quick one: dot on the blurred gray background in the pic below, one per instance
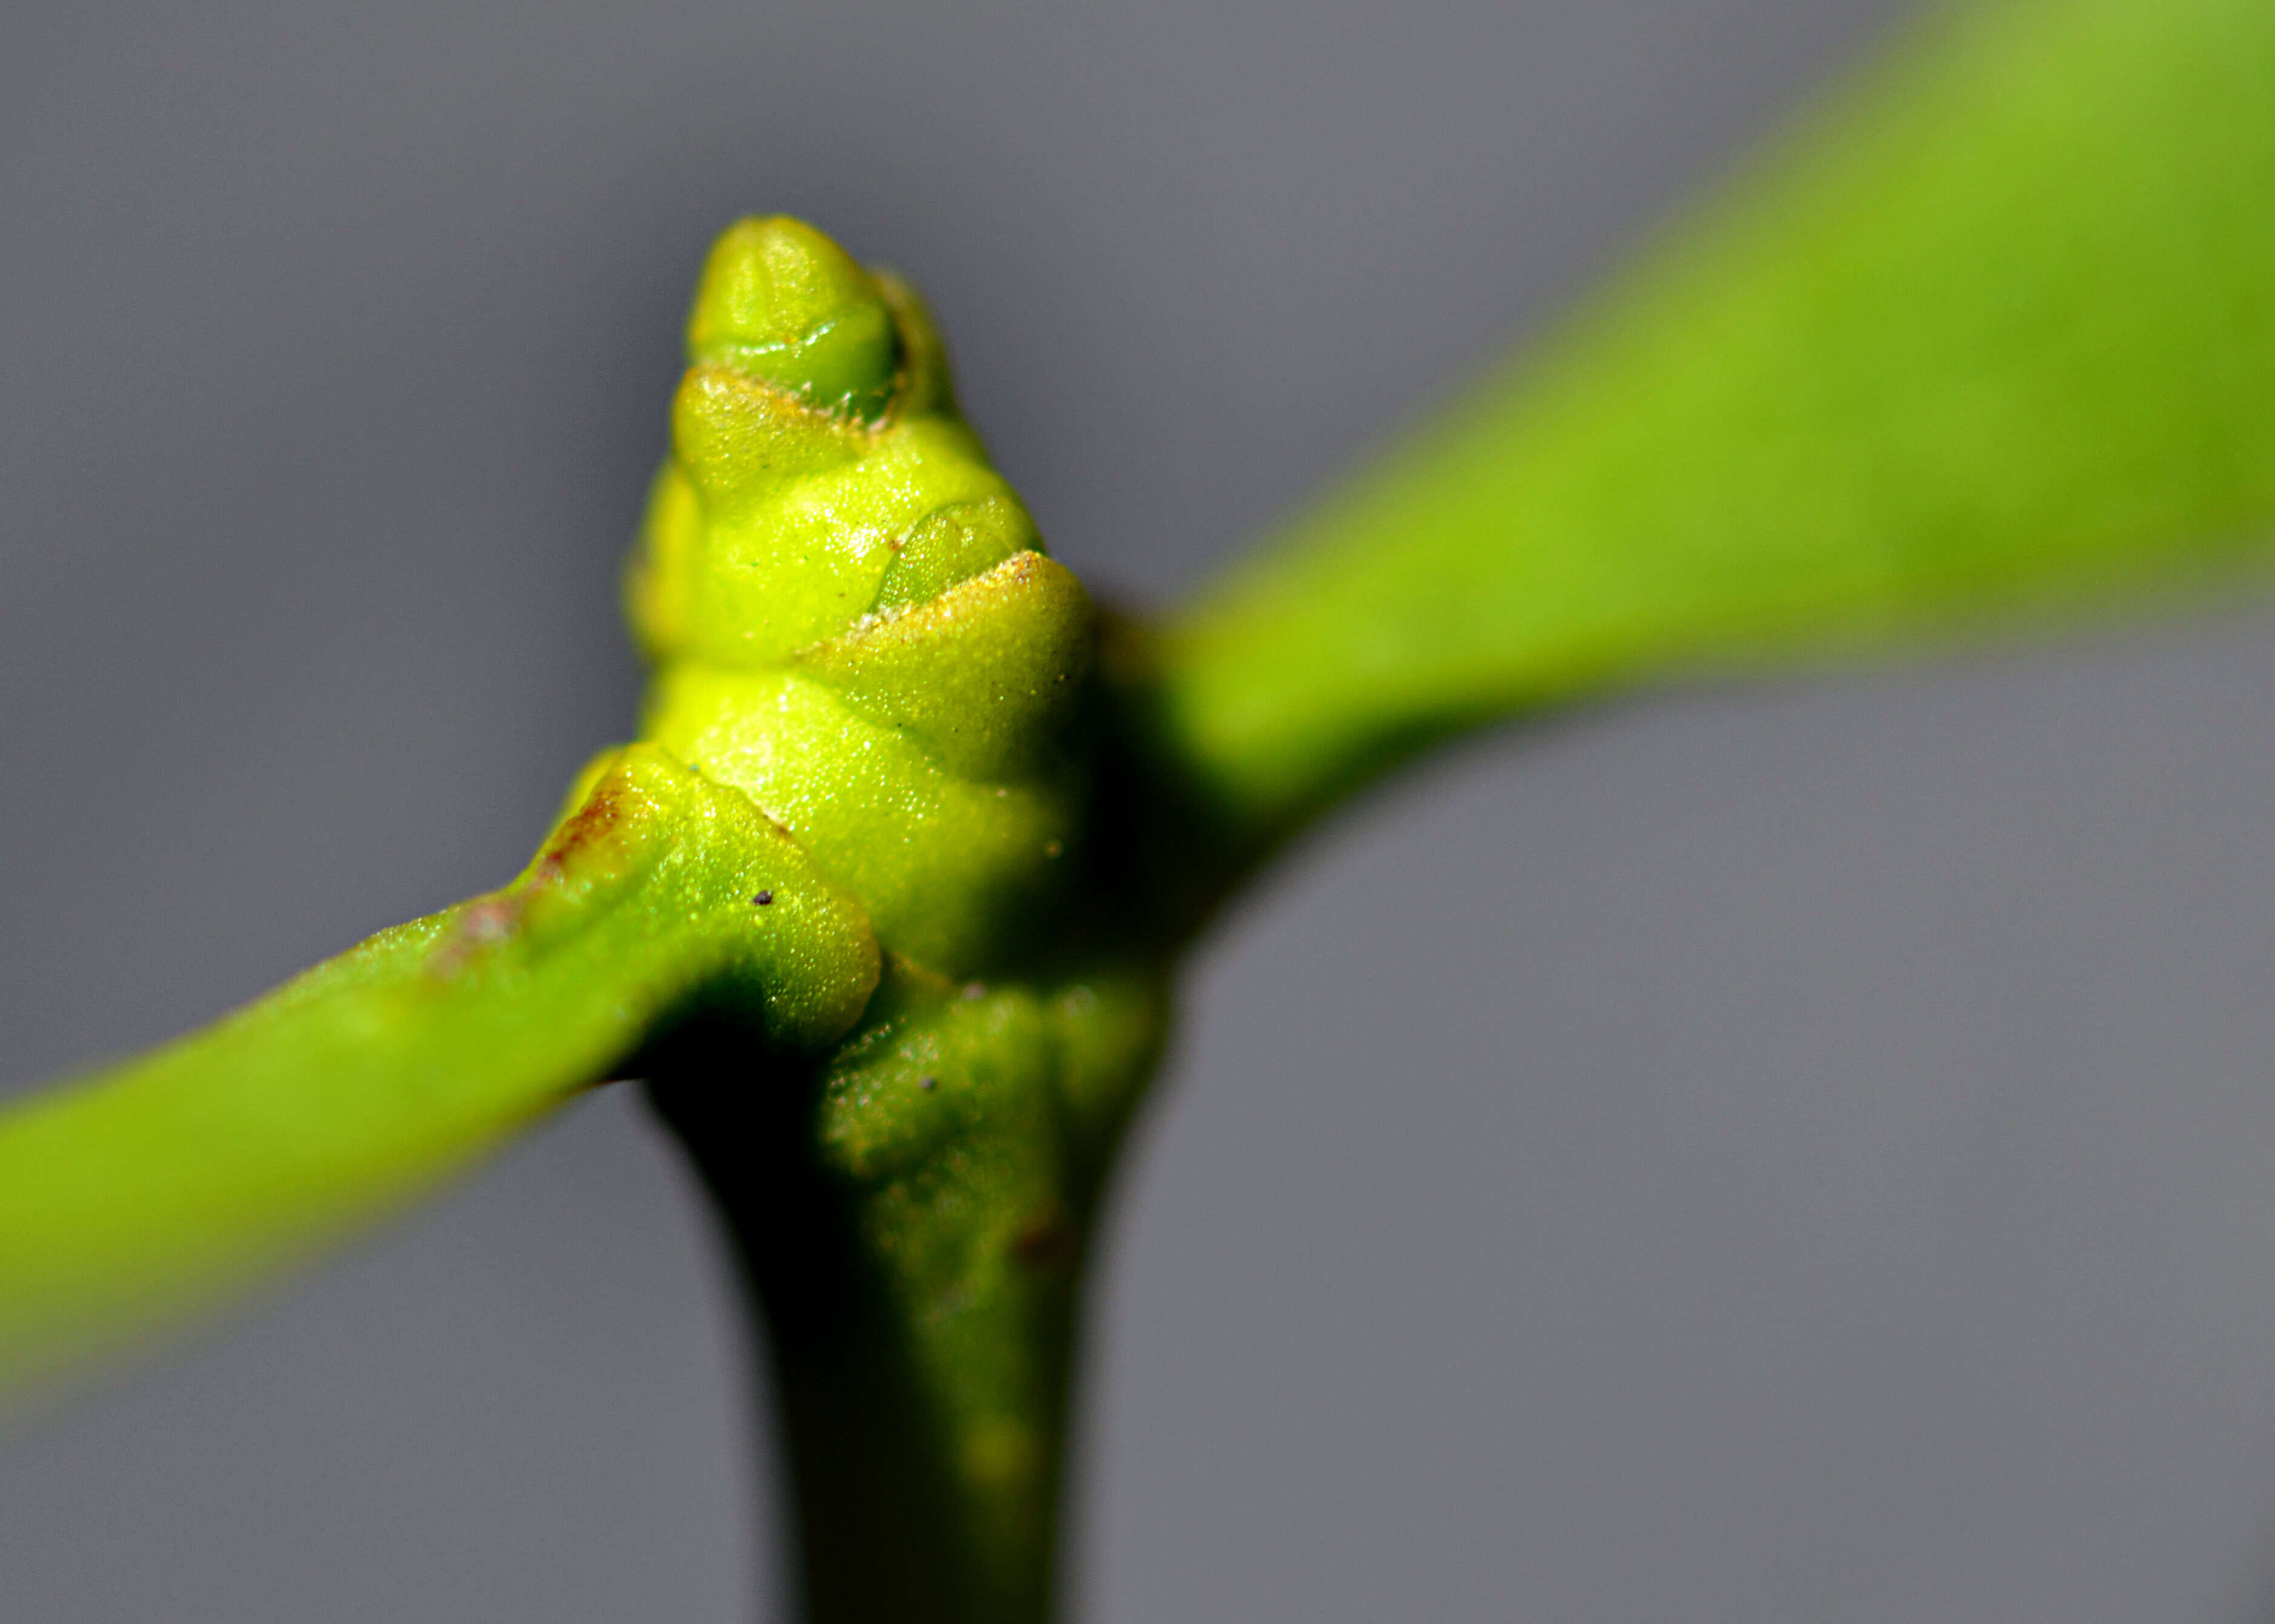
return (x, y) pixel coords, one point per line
(1804, 1153)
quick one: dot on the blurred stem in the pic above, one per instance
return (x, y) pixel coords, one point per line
(911, 1217)
(883, 1532)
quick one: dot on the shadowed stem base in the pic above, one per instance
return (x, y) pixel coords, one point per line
(911, 1217)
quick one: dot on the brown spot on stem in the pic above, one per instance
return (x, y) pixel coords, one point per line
(586, 827)
(1044, 1245)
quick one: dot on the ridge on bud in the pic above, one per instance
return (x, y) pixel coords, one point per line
(780, 301)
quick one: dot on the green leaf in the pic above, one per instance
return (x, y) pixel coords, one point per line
(144, 1192)
(1993, 338)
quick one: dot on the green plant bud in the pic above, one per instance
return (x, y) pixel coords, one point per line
(854, 622)
(981, 675)
(787, 540)
(924, 385)
(656, 585)
(781, 302)
(740, 442)
(954, 544)
(923, 757)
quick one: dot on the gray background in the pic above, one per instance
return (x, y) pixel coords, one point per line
(1794, 1154)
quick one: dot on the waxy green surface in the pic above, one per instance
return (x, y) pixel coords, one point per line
(1986, 343)
(887, 905)
(141, 1190)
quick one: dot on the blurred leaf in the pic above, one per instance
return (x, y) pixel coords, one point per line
(1994, 336)
(145, 1191)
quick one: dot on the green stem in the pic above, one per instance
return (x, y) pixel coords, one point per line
(911, 1217)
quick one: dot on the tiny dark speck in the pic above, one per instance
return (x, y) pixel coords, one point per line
(928, 1083)
(763, 898)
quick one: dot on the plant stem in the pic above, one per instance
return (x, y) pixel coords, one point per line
(911, 1217)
